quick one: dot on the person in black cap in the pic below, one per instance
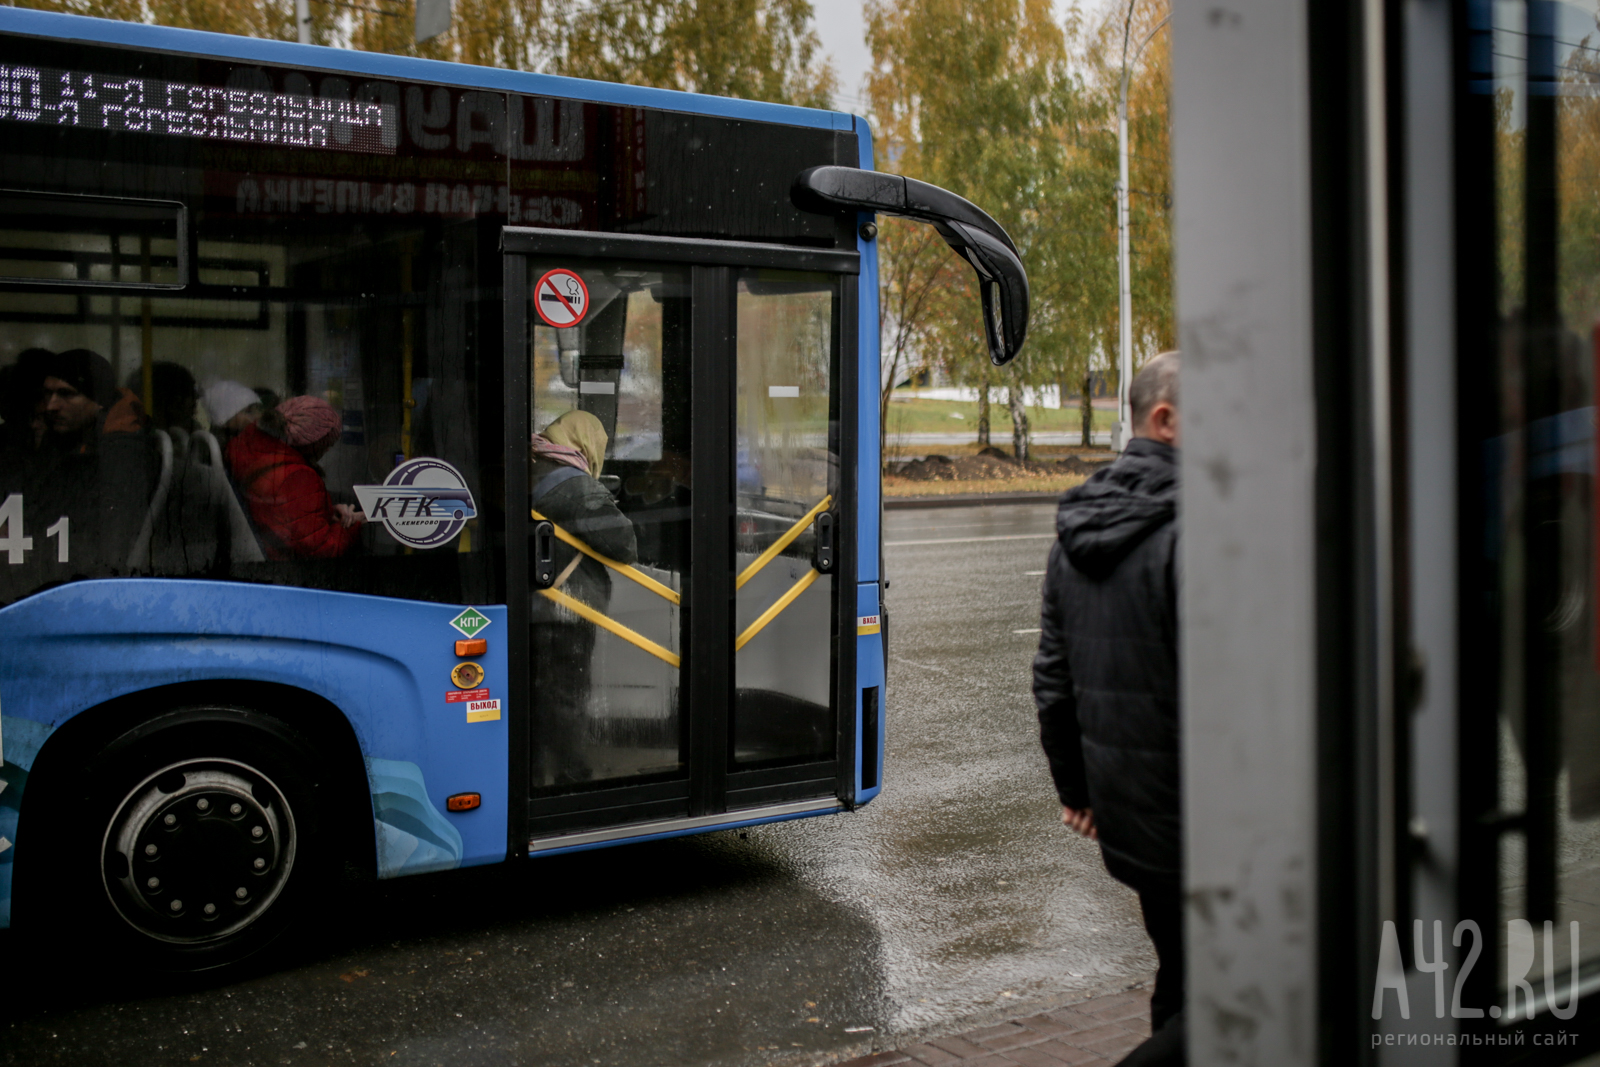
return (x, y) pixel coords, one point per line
(82, 402)
(83, 454)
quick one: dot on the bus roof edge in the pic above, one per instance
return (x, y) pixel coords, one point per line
(83, 28)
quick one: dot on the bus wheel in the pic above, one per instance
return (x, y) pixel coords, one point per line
(205, 838)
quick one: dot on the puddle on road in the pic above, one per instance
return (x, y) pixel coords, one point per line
(979, 897)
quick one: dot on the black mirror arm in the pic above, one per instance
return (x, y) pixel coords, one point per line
(965, 227)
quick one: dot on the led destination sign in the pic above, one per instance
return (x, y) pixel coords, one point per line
(150, 105)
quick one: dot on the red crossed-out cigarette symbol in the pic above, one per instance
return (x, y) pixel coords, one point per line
(561, 298)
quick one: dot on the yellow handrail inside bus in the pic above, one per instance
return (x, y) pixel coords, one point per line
(621, 568)
(772, 613)
(781, 543)
(584, 611)
(579, 608)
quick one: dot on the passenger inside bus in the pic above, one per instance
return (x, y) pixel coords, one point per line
(82, 403)
(274, 465)
(77, 454)
(231, 407)
(173, 396)
(22, 425)
(566, 462)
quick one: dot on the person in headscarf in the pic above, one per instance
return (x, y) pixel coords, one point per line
(576, 439)
(567, 458)
(274, 464)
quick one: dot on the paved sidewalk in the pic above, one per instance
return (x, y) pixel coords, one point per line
(1099, 1031)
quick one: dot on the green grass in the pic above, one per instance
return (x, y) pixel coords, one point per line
(1044, 483)
(935, 416)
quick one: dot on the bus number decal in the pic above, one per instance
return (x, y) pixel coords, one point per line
(12, 540)
(13, 543)
(59, 529)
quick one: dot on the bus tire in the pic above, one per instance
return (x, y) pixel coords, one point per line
(196, 840)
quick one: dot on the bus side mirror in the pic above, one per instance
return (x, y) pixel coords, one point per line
(965, 227)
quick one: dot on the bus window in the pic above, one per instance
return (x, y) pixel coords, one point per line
(787, 481)
(605, 642)
(341, 249)
(97, 241)
(185, 467)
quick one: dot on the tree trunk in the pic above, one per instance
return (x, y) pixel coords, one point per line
(1019, 422)
(883, 413)
(1086, 408)
(983, 406)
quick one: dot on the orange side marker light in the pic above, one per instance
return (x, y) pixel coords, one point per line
(476, 646)
(463, 801)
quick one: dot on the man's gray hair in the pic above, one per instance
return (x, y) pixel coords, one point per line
(1156, 383)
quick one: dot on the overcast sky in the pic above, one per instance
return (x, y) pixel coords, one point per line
(843, 32)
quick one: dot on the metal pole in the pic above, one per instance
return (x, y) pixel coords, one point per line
(1124, 280)
(302, 18)
(1124, 430)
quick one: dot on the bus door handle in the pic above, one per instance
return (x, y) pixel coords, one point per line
(544, 554)
(824, 554)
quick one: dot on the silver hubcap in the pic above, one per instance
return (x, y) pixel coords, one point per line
(198, 851)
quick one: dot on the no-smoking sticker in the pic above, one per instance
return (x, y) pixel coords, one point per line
(561, 298)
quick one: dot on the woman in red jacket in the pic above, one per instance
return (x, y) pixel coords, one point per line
(274, 464)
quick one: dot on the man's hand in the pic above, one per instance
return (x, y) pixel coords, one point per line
(1081, 820)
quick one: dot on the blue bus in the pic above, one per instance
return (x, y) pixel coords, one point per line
(407, 466)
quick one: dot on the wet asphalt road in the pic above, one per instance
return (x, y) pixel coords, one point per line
(954, 899)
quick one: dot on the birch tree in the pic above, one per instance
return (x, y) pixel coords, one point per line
(985, 99)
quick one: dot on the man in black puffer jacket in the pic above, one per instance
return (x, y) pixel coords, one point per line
(1106, 679)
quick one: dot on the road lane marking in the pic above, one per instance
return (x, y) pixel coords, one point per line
(969, 540)
(924, 666)
(991, 523)
(1032, 574)
(1035, 630)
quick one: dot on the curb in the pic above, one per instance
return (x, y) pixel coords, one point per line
(1101, 1030)
(966, 500)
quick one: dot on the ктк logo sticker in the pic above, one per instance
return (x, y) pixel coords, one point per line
(424, 502)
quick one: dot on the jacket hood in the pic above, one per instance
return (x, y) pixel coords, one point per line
(1106, 517)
